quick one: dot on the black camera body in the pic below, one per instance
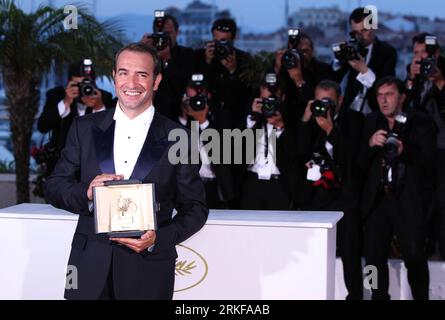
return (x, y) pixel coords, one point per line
(390, 148)
(199, 101)
(270, 106)
(86, 88)
(223, 49)
(291, 57)
(161, 39)
(350, 50)
(320, 108)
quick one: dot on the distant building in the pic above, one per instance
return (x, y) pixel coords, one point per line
(195, 22)
(254, 43)
(317, 17)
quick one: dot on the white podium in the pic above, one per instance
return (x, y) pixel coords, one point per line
(237, 255)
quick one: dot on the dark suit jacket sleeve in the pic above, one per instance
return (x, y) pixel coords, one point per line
(63, 189)
(190, 205)
(50, 118)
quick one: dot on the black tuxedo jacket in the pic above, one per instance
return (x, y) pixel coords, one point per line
(50, 119)
(418, 154)
(88, 153)
(383, 63)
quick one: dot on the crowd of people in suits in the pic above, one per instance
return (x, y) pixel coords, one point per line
(376, 152)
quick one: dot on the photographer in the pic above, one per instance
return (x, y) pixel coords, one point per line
(426, 93)
(396, 152)
(328, 138)
(81, 96)
(360, 62)
(306, 72)
(177, 64)
(223, 64)
(217, 178)
(269, 182)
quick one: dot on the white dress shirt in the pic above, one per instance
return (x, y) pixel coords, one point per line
(129, 137)
(264, 166)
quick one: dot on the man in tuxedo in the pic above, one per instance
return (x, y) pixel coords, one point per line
(128, 142)
(357, 77)
(331, 142)
(64, 104)
(217, 177)
(396, 153)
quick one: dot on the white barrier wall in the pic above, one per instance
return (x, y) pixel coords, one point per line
(237, 255)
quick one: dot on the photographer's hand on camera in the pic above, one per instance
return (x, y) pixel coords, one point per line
(71, 93)
(148, 39)
(378, 139)
(230, 63)
(94, 101)
(359, 65)
(276, 121)
(307, 115)
(200, 116)
(210, 52)
(325, 123)
(256, 105)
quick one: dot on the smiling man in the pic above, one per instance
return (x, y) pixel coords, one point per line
(127, 142)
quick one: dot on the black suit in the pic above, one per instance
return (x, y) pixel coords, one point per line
(88, 153)
(383, 63)
(344, 138)
(50, 119)
(400, 211)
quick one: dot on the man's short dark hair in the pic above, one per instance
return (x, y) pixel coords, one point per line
(358, 15)
(420, 38)
(329, 85)
(168, 17)
(390, 80)
(226, 25)
(142, 48)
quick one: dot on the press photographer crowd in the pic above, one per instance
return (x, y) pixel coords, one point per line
(350, 136)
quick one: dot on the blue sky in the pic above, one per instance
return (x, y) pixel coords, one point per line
(261, 15)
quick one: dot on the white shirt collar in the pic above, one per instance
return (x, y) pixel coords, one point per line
(145, 118)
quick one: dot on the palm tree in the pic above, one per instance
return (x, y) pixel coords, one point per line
(31, 46)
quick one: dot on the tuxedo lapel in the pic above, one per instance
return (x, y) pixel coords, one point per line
(152, 150)
(103, 136)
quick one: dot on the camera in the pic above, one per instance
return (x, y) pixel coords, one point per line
(390, 148)
(320, 108)
(199, 101)
(161, 39)
(269, 106)
(292, 56)
(350, 50)
(223, 49)
(428, 65)
(87, 87)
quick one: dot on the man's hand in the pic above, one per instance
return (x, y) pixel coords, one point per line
(210, 52)
(94, 101)
(359, 65)
(414, 69)
(276, 120)
(147, 39)
(307, 112)
(378, 139)
(138, 245)
(230, 62)
(257, 104)
(325, 123)
(99, 180)
(437, 78)
(71, 93)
